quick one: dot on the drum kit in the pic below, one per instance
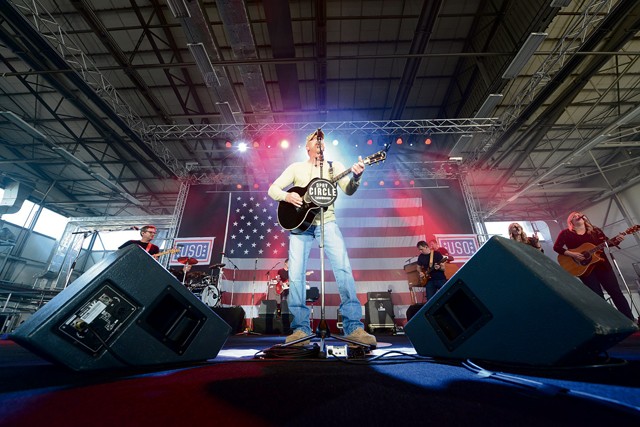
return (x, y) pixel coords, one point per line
(203, 285)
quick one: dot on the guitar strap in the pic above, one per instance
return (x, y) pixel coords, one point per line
(431, 260)
(148, 248)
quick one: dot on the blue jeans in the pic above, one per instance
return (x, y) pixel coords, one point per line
(300, 245)
(433, 286)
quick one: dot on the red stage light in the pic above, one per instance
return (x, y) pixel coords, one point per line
(228, 144)
(427, 141)
(396, 183)
(256, 185)
(399, 141)
(369, 141)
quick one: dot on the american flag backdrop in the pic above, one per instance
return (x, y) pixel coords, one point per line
(380, 227)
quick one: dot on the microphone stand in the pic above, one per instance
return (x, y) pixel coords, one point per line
(249, 329)
(233, 278)
(615, 263)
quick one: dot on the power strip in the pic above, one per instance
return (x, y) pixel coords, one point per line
(337, 350)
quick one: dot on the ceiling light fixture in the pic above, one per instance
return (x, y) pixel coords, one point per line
(178, 8)
(203, 62)
(524, 55)
(489, 105)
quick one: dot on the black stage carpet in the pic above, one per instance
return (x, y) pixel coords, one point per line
(391, 387)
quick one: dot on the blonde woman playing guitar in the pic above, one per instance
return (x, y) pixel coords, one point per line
(595, 271)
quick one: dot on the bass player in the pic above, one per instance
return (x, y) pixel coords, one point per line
(431, 265)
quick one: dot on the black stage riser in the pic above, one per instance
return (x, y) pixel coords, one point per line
(510, 303)
(135, 306)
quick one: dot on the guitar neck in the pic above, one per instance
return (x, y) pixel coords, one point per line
(602, 245)
(341, 175)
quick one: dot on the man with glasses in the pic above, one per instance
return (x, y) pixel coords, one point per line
(147, 233)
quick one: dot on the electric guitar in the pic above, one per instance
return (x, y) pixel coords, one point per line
(427, 273)
(291, 217)
(168, 251)
(283, 286)
(591, 257)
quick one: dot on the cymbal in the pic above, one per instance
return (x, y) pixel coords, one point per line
(187, 260)
(211, 267)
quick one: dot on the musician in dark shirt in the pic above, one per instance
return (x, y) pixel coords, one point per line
(580, 231)
(432, 265)
(147, 233)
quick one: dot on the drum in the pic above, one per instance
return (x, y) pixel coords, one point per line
(210, 296)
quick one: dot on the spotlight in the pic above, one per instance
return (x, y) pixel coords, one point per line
(239, 186)
(256, 185)
(242, 147)
(369, 141)
(427, 141)
(381, 183)
(227, 144)
(399, 141)
(335, 142)
(412, 183)
(396, 183)
(256, 144)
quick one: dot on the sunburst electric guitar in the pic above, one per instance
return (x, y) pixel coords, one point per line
(168, 251)
(590, 253)
(291, 217)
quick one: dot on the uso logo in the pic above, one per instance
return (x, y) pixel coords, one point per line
(199, 248)
(460, 246)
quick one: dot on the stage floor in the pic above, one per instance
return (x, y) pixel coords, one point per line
(390, 386)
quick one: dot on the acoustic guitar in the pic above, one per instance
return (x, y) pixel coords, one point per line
(291, 217)
(590, 253)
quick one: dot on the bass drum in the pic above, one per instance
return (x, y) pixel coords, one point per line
(210, 296)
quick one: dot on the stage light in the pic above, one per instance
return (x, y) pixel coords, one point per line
(228, 144)
(366, 183)
(239, 186)
(284, 144)
(369, 141)
(427, 141)
(256, 144)
(256, 185)
(381, 183)
(335, 142)
(412, 183)
(396, 183)
(399, 141)
(242, 147)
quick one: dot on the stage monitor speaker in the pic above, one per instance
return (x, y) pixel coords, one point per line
(125, 311)
(512, 304)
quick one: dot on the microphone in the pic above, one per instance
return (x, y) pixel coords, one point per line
(133, 227)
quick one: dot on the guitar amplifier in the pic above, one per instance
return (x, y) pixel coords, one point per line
(379, 311)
